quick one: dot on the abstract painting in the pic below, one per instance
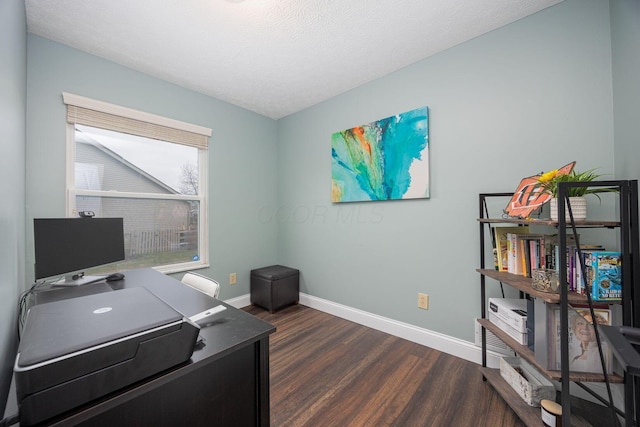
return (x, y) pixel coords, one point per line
(384, 160)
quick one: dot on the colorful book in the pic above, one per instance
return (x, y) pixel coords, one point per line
(535, 252)
(513, 252)
(606, 275)
(502, 244)
(521, 255)
(580, 280)
(553, 251)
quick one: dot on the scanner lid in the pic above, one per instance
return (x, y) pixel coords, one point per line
(59, 328)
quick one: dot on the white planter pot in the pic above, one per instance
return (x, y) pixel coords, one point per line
(578, 207)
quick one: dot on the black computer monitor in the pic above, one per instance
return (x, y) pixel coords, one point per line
(67, 246)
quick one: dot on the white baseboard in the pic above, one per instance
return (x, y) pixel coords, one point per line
(239, 302)
(450, 345)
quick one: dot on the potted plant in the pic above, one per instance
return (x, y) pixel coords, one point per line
(549, 182)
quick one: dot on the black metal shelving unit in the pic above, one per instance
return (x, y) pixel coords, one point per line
(628, 240)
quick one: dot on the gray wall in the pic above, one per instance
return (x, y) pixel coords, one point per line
(242, 153)
(528, 97)
(625, 40)
(13, 72)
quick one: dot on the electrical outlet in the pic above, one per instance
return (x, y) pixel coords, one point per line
(423, 301)
(232, 279)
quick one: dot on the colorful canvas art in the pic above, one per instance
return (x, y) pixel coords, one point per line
(384, 160)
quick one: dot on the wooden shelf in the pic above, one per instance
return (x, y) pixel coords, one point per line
(528, 355)
(549, 223)
(523, 284)
(530, 415)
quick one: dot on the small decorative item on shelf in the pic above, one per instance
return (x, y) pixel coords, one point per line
(544, 280)
(530, 196)
(525, 380)
(551, 413)
(549, 183)
(578, 208)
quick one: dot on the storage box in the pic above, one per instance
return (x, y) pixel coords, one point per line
(275, 287)
(526, 381)
(512, 311)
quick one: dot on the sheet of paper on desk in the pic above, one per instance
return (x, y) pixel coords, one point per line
(209, 312)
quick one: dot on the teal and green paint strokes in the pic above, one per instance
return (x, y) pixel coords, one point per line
(384, 160)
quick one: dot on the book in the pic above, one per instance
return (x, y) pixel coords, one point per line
(525, 249)
(502, 244)
(580, 281)
(534, 252)
(605, 275)
(552, 246)
(571, 267)
(521, 255)
(575, 282)
(584, 355)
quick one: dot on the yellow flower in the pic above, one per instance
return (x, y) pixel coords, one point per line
(548, 176)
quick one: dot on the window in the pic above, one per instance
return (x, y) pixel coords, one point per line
(149, 170)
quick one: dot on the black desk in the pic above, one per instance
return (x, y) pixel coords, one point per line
(226, 383)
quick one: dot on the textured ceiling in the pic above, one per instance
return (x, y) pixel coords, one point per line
(274, 57)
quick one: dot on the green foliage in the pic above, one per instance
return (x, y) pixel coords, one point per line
(549, 182)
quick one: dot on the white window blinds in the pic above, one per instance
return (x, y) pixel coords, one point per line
(90, 112)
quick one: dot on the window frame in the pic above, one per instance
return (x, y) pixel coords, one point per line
(203, 168)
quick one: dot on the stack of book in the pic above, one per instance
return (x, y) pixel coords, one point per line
(603, 270)
(518, 251)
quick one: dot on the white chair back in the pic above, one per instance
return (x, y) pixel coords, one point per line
(202, 283)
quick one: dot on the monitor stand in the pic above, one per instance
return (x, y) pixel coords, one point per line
(78, 280)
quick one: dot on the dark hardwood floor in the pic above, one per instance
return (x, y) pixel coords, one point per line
(327, 371)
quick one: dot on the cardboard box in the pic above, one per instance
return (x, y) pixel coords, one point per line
(511, 311)
(520, 337)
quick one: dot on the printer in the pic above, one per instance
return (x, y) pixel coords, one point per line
(77, 350)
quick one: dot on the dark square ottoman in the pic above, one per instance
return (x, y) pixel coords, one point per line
(275, 287)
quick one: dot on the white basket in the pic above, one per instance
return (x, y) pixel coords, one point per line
(531, 385)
